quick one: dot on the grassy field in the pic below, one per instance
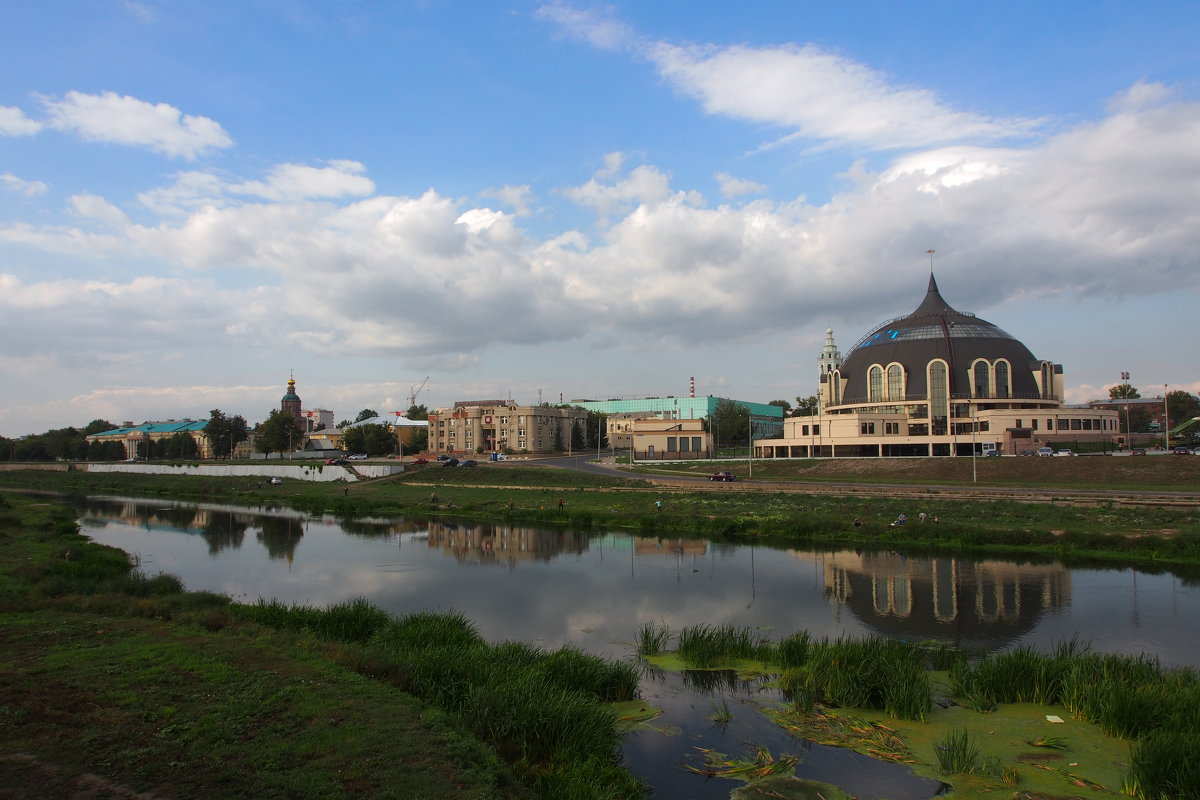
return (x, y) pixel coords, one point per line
(1130, 473)
(116, 684)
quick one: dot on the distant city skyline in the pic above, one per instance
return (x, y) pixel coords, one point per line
(585, 200)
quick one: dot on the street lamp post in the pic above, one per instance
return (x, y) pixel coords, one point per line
(1166, 422)
(750, 439)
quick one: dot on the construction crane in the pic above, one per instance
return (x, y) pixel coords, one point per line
(416, 390)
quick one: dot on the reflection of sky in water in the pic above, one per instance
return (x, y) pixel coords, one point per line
(595, 590)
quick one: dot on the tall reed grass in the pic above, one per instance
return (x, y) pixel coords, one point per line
(546, 712)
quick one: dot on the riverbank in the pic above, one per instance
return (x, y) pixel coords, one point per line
(120, 684)
(1151, 536)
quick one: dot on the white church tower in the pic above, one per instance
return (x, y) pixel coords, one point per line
(831, 357)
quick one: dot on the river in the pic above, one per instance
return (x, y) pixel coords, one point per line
(595, 589)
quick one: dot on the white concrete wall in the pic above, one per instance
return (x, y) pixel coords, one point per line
(324, 473)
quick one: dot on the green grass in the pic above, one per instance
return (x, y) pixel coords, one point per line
(110, 672)
(957, 753)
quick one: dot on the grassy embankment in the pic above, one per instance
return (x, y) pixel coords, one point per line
(121, 683)
(1149, 535)
(980, 723)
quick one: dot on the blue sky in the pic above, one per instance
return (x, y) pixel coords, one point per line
(581, 200)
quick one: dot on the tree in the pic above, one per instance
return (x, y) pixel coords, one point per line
(1182, 406)
(280, 432)
(224, 433)
(784, 404)
(597, 425)
(578, 442)
(1123, 391)
(98, 426)
(366, 413)
(374, 440)
(806, 406)
(729, 423)
(418, 412)
(556, 438)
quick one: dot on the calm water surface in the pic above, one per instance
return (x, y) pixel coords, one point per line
(595, 589)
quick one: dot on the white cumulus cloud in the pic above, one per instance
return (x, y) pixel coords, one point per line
(13, 122)
(121, 119)
(736, 187)
(20, 186)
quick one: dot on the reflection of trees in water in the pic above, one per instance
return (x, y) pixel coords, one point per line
(487, 543)
(280, 535)
(377, 529)
(711, 681)
(179, 516)
(222, 530)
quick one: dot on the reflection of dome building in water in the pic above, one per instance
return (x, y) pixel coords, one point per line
(945, 598)
(937, 382)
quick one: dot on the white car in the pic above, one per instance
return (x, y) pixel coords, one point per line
(1045, 451)
(1064, 452)
(358, 457)
(275, 481)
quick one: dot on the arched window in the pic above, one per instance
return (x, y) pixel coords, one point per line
(983, 387)
(835, 387)
(895, 375)
(1003, 386)
(875, 383)
(1047, 381)
(939, 399)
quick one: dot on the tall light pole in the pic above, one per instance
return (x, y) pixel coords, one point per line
(1166, 422)
(750, 439)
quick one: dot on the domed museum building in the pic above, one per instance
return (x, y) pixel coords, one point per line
(938, 382)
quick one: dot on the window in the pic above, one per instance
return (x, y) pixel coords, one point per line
(892, 428)
(1020, 423)
(684, 444)
(835, 387)
(1003, 388)
(696, 444)
(982, 379)
(875, 380)
(671, 444)
(1047, 381)
(895, 382)
(1049, 424)
(939, 398)
(804, 430)
(867, 428)
(816, 430)
(1034, 423)
(918, 429)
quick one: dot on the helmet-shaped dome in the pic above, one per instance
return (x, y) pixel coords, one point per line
(936, 331)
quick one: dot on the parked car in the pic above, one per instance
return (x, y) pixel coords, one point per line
(1064, 452)
(275, 480)
(991, 453)
(1027, 452)
(337, 462)
(1045, 451)
(722, 476)
(470, 462)
(450, 461)
(443, 457)
(1181, 451)
(1138, 451)
(418, 461)
(358, 457)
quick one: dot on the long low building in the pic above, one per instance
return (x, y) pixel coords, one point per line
(938, 382)
(134, 438)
